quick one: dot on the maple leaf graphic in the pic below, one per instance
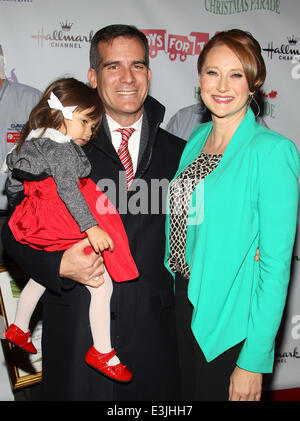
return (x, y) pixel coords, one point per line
(273, 94)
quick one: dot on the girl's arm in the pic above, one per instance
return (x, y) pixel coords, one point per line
(64, 163)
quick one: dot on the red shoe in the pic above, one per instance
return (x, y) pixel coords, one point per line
(15, 335)
(117, 372)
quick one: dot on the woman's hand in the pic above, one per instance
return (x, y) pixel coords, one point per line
(256, 258)
(245, 385)
(84, 268)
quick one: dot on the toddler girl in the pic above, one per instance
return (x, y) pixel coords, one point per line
(62, 205)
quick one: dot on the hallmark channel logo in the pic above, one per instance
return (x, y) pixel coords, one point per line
(230, 7)
(285, 356)
(62, 37)
(286, 51)
(176, 46)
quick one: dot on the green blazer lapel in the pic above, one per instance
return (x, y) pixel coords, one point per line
(195, 144)
(241, 137)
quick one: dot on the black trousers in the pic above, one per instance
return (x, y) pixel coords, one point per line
(200, 380)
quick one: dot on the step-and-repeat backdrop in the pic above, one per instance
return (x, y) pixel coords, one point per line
(43, 40)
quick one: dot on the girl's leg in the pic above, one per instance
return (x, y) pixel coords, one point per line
(28, 300)
(100, 317)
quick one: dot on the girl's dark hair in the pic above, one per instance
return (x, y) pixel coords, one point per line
(247, 50)
(70, 92)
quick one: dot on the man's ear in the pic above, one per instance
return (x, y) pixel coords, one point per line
(92, 77)
(149, 75)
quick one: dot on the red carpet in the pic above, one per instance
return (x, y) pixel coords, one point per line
(282, 395)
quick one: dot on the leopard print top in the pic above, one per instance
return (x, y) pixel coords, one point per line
(181, 191)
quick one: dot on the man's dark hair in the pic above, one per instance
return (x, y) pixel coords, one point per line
(108, 34)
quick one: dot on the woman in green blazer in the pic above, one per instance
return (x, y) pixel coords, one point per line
(236, 188)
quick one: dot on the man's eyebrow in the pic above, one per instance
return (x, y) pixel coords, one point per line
(142, 61)
(109, 63)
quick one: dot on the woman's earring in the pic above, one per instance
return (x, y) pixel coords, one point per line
(202, 107)
(251, 98)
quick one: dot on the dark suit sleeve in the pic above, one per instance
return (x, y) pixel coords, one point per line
(42, 266)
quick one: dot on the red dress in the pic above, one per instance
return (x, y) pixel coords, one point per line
(43, 221)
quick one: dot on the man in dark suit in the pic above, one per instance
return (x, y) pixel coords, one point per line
(142, 311)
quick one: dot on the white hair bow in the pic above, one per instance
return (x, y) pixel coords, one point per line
(55, 103)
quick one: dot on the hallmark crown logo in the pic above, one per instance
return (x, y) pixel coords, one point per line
(292, 40)
(66, 26)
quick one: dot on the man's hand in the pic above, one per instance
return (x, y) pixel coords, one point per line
(84, 268)
(256, 258)
(245, 385)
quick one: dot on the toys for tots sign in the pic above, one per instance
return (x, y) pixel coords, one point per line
(175, 46)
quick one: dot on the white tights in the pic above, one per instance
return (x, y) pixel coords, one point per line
(99, 312)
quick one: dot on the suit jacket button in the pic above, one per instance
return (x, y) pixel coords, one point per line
(113, 315)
